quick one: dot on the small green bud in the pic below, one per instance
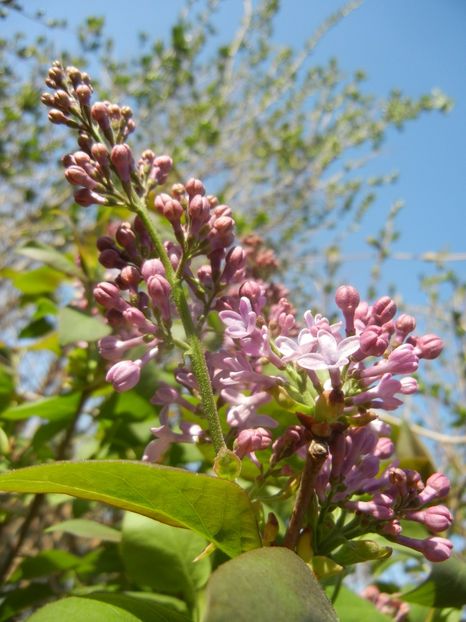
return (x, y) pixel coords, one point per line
(227, 465)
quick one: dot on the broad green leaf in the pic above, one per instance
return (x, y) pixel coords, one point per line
(271, 583)
(50, 408)
(358, 551)
(444, 587)
(107, 607)
(353, 608)
(214, 508)
(39, 281)
(76, 326)
(44, 564)
(85, 528)
(50, 256)
(161, 557)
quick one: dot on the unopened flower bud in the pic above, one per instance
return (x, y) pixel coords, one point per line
(373, 341)
(101, 155)
(74, 75)
(111, 258)
(56, 116)
(347, 299)
(234, 261)
(78, 177)
(429, 347)
(436, 518)
(130, 277)
(405, 324)
(122, 160)
(125, 235)
(62, 101)
(86, 197)
(83, 93)
(194, 186)
(124, 375)
(99, 112)
(384, 310)
(47, 99)
(108, 295)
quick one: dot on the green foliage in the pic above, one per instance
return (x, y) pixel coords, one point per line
(444, 587)
(269, 584)
(214, 508)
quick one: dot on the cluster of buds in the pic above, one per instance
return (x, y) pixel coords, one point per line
(354, 479)
(388, 604)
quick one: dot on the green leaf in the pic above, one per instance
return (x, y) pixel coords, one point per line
(353, 608)
(444, 587)
(85, 528)
(50, 408)
(23, 598)
(76, 326)
(270, 583)
(216, 509)
(358, 551)
(50, 256)
(107, 607)
(36, 328)
(7, 387)
(161, 557)
(44, 564)
(39, 281)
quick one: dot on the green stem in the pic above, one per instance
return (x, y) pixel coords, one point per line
(195, 346)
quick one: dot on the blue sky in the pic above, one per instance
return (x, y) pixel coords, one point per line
(413, 45)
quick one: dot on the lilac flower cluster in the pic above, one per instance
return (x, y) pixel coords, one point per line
(324, 377)
(356, 478)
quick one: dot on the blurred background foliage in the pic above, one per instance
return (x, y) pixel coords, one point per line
(282, 140)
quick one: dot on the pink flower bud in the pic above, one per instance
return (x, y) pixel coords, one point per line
(86, 197)
(347, 299)
(99, 112)
(151, 267)
(434, 549)
(136, 317)
(250, 440)
(62, 101)
(168, 207)
(108, 295)
(111, 347)
(124, 375)
(405, 324)
(83, 93)
(437, 487)
(436, 518)
(78, 177)
(383, 310)
(194, 186)
(428, 347)
(402, 360)
(373, 341)
(234, 261)
(122, 159)
(125, 236)
(130, 277)
(199, 213)
(159, 290)
(101, 155)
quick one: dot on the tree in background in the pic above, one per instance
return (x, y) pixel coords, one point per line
(251, 121)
